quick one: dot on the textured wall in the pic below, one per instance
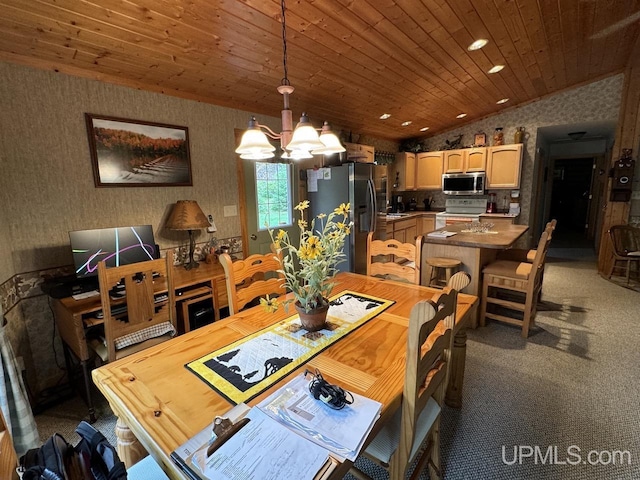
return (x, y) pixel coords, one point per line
(598, 101)
(47, 169)
(46, 187)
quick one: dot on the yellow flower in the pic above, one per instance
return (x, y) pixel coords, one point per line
(269, 304)
(314, 247)
(343, 209)
(280, 236)
(302, 205)
(322, 215)
(302, 224)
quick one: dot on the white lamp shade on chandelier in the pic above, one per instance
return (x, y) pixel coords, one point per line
(302, 142)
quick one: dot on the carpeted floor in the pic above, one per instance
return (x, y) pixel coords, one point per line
(572, 385)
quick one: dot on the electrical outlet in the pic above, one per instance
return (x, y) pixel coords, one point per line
(230, 210)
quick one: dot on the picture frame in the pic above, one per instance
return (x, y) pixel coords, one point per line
(480, 140)
(136, 153)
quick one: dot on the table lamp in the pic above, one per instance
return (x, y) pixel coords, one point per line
(187, 215)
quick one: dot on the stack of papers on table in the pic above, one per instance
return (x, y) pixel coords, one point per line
(342, 432)
(441, 234)
(289, 435)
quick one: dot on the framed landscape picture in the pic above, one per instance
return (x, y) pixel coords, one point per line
(134, 153)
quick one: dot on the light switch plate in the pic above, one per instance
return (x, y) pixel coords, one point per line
(230, 210)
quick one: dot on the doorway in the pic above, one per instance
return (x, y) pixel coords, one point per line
(571, 202)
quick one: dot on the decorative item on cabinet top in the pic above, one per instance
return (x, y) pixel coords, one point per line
(384, 158)
(453, 144)
(479, 139)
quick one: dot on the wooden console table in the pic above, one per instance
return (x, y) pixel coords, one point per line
(74, 317)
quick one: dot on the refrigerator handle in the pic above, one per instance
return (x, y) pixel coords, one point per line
(374, 208)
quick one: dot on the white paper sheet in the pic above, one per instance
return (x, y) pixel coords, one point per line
(264, 449)
(341, 431)
(312, 180)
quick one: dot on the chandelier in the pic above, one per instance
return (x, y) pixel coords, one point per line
(303, 142)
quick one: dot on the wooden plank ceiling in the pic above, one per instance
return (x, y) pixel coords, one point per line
(349, 60)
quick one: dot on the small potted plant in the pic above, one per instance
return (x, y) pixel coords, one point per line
(309, 268)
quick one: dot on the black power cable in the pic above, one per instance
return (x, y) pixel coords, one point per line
(332, 395)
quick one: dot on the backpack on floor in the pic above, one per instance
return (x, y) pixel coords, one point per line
(94, 458)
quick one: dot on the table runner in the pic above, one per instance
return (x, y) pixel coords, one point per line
(247, 367)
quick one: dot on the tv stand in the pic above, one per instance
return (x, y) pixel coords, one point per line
(62, 287)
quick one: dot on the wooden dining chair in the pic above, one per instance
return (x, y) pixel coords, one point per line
(524, 254)
(413, 434)
(8, 456)
(136, 308)
(394, 260)
(625, 241)
(514, 287)
(255, 276)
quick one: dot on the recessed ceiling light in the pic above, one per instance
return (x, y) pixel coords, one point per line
(502, 100)
(478, 44)
(406, 124)
(496, 68)
(384, 116)
(424, 129)
(462, 115)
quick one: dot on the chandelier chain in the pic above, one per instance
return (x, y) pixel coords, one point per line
(285, 80)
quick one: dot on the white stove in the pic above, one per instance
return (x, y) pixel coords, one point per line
(459, 210)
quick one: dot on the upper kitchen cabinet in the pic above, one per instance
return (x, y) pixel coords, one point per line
(466, 160)
(504, 163)
(359, 153)
(429, 167)
(405, 171)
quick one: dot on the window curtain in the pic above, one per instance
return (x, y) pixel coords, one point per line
(13, 398)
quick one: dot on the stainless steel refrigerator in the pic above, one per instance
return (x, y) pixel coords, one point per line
(353, 183)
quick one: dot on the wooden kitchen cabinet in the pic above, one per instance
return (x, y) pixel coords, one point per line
(476, 159)
(427, 224)
(405, 230)
(497, 220)
(504, 163)
(465, 160)
(360, 153)
(429, 167)
(406, 171)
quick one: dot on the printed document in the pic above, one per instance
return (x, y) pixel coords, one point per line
(263, 449)
(342, 432)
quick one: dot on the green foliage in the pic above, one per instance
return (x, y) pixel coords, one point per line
(309, 269)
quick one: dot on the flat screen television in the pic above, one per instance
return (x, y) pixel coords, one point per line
(116, 246)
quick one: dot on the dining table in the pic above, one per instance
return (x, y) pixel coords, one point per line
(160, 404)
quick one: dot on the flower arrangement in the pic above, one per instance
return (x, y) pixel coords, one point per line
(309, 268)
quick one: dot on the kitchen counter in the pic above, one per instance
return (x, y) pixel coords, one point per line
(392, 217)
(474, 250)
(505, 236)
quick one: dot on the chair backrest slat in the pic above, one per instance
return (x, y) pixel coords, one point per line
(138, 296)
(394, 260)
(256, 276)
(426, 367)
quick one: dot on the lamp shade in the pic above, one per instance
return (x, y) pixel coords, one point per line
(187, 215)
(330, 141)
(254, 142)
(305, 136)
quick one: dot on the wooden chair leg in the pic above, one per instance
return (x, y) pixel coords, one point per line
(628, 269)
(611, 267)
(483, 308)
(434, 462)
(526, 320)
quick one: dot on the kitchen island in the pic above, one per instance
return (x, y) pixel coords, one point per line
(474, 250)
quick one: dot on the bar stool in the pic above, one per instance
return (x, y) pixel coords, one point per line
(435, 266)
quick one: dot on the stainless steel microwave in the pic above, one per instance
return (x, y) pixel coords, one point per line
(463, 183)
